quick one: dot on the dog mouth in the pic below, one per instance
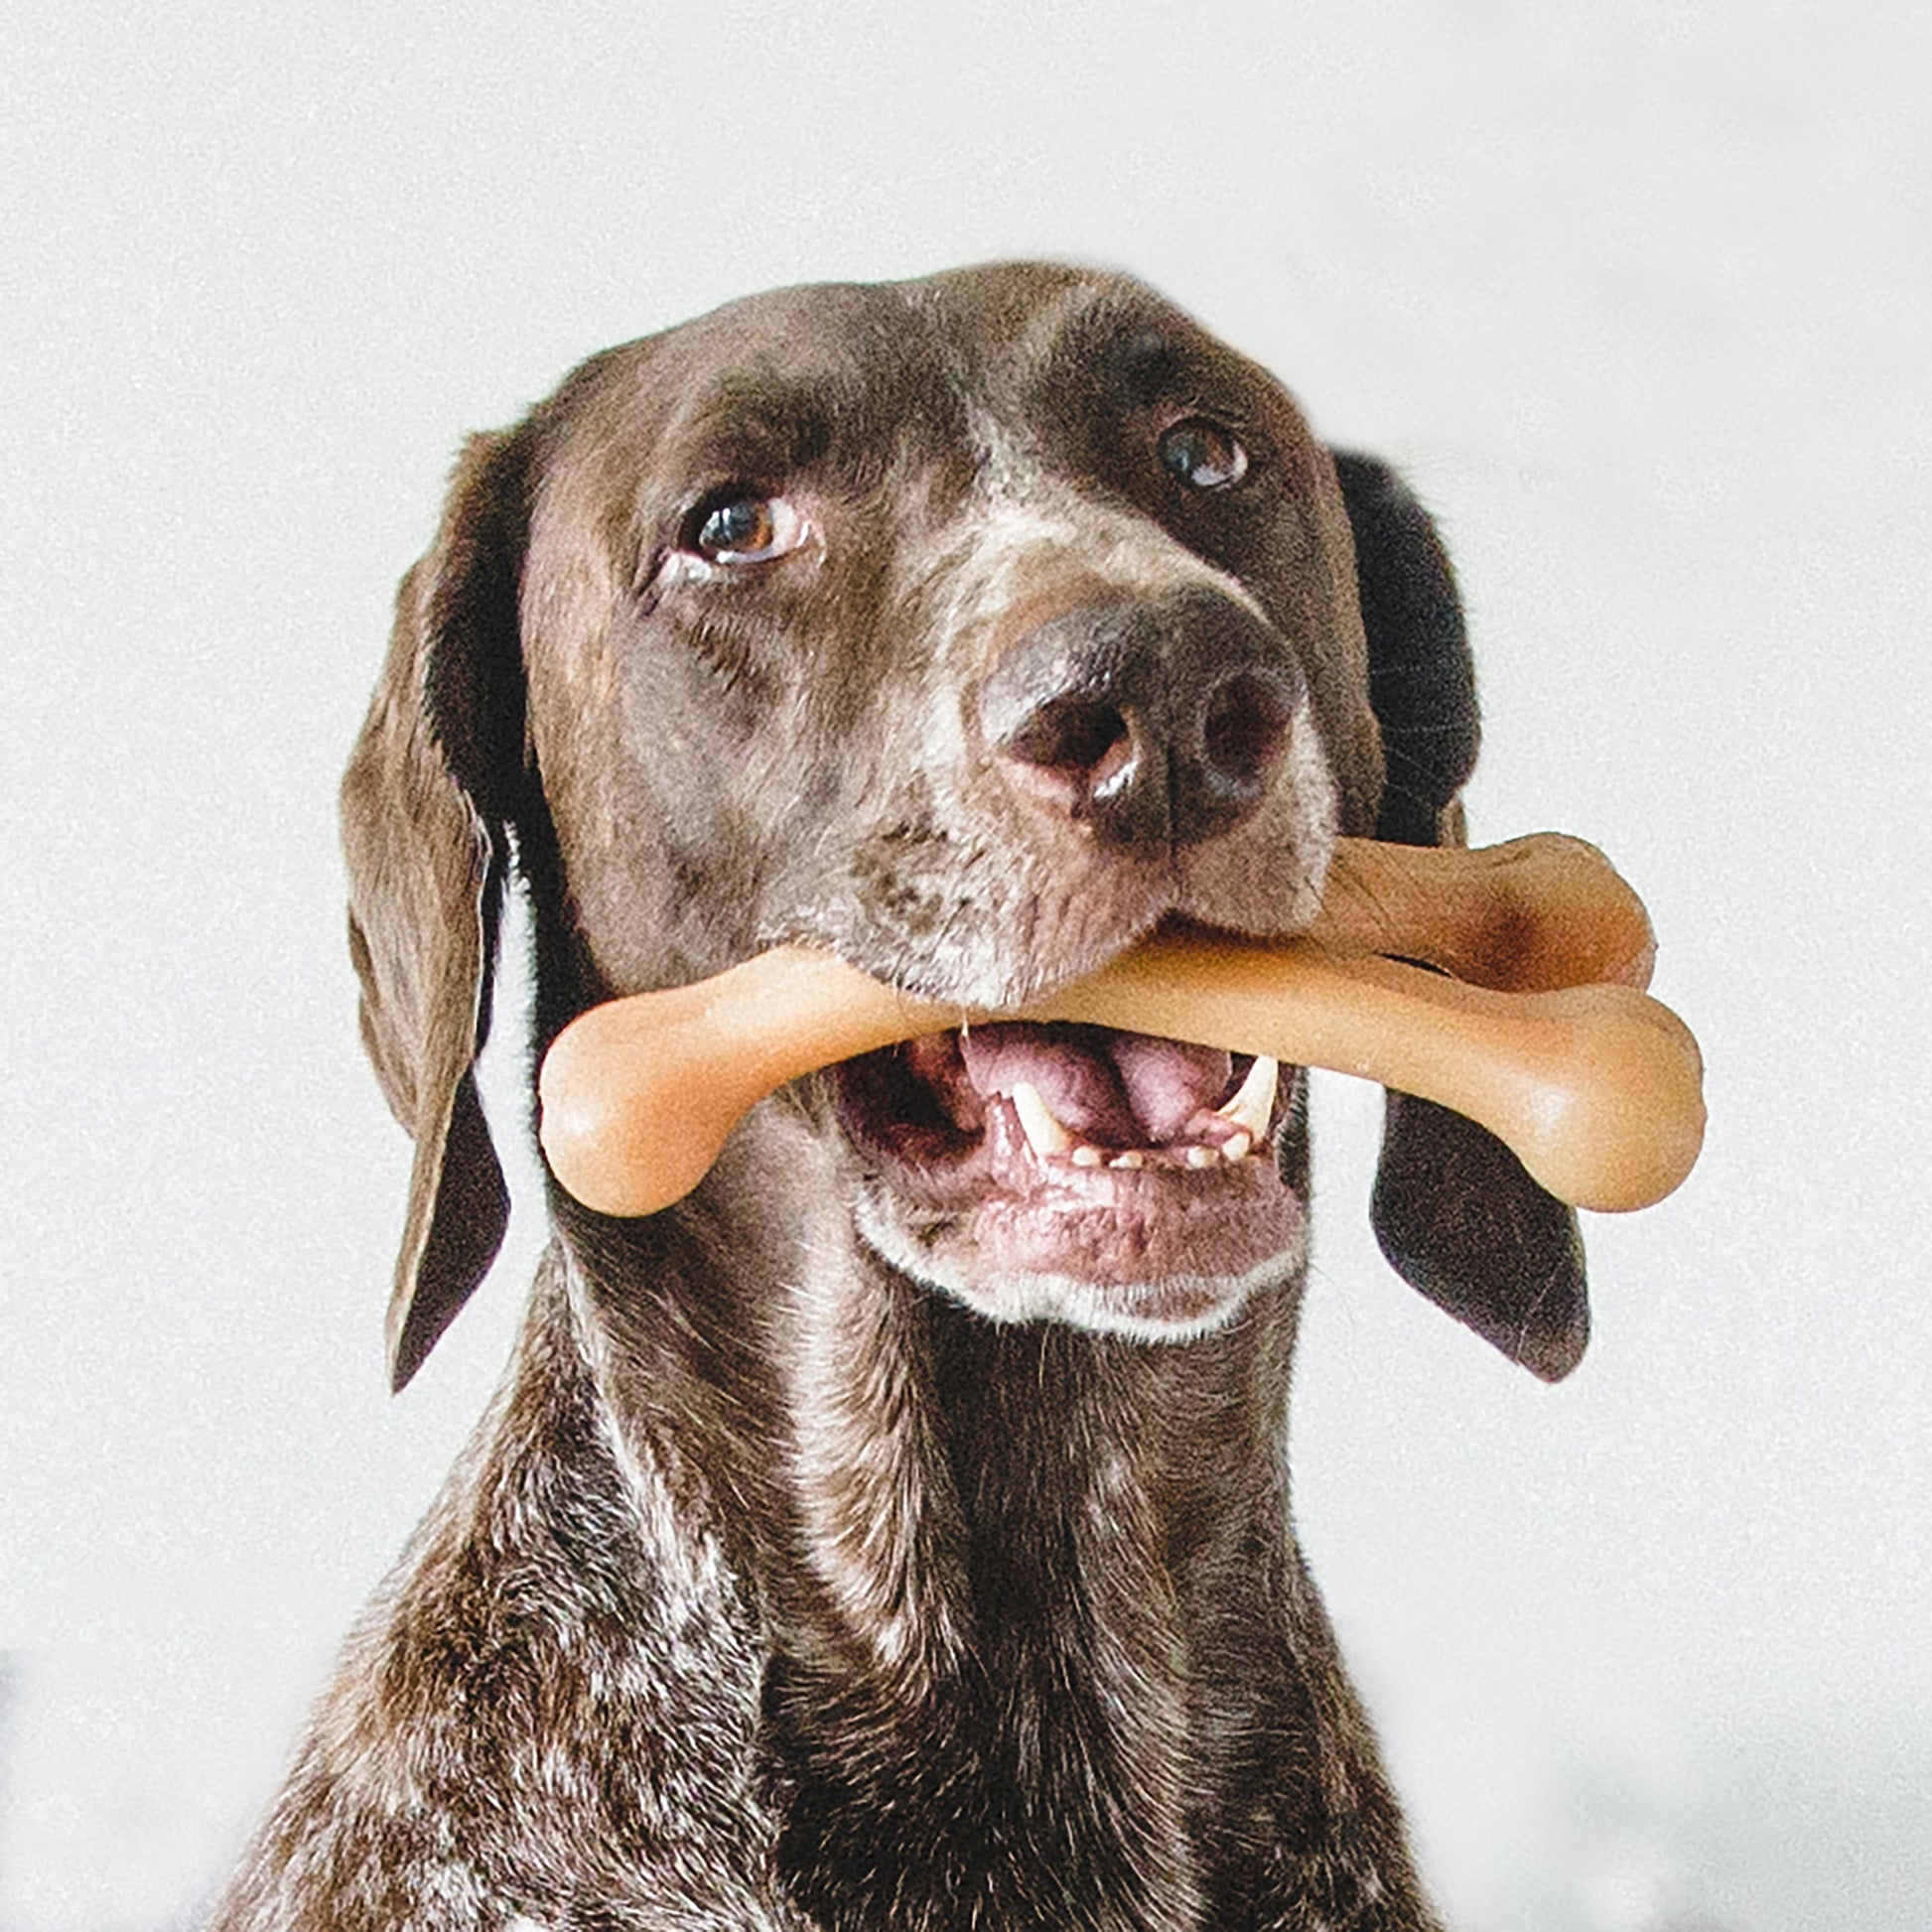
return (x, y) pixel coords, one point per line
(1114, 1178)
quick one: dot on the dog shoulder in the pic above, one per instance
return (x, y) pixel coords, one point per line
(561, 1658)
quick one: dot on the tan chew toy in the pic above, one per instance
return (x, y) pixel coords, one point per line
(1543, 1034)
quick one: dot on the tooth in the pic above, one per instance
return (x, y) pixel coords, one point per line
(1087, 1156)
(1045, 1135)
(1252, 1107)
(1133, 1158)
(1236, 1146)
(1202, 1157)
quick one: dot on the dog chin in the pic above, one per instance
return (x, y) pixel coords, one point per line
(984, 1272)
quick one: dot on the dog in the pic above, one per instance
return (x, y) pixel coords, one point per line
(895, 1533)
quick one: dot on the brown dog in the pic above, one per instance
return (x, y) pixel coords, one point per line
(895, 1533)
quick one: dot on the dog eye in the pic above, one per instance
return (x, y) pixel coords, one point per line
(1203, 455)
(745, 530)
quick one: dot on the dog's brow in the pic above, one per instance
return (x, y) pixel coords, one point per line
(1151, 367)
(758, 418)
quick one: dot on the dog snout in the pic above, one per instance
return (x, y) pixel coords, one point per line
(1154, 723)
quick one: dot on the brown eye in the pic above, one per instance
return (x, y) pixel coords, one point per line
(746, 529)
(1203, 455)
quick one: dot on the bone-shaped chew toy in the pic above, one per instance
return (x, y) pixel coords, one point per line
(1536, 1025)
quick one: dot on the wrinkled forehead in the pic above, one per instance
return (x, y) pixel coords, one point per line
(1044, 344)
(857, 381)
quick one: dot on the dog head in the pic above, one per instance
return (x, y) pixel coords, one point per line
(969, 627)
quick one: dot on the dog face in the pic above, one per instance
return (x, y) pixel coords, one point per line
(969, 627)
(971, 656)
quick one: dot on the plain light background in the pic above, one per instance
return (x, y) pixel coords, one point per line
(1641, 296)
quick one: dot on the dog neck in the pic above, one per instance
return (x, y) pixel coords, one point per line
(1020, 1585)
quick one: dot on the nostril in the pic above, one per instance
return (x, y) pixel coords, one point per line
(1244, 729)
(1151, 723)
(1080, 740)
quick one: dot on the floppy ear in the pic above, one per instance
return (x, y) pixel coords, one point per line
(424, 803)
(1455, 1211)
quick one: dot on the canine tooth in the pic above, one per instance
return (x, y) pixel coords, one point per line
(1133, 1158)
(1087, 1156)
(1253, 1106)
(1045, 1135)
(1202, 1157)
(1236, 1146)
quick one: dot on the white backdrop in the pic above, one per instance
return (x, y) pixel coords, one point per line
(1641, 296)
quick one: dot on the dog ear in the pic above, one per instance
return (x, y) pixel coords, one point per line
(1454, 1210)
(425, 807)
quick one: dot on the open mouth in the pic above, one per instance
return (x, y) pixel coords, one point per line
(1118, 1180)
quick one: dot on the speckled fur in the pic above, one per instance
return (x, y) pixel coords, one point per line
(776, 1591)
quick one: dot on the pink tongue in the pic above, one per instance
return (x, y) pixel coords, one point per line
(1119, 1089)
(1169, 1083)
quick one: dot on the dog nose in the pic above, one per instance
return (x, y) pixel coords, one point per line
(1154, 722)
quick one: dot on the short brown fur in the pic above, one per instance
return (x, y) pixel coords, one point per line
(778, 1589)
